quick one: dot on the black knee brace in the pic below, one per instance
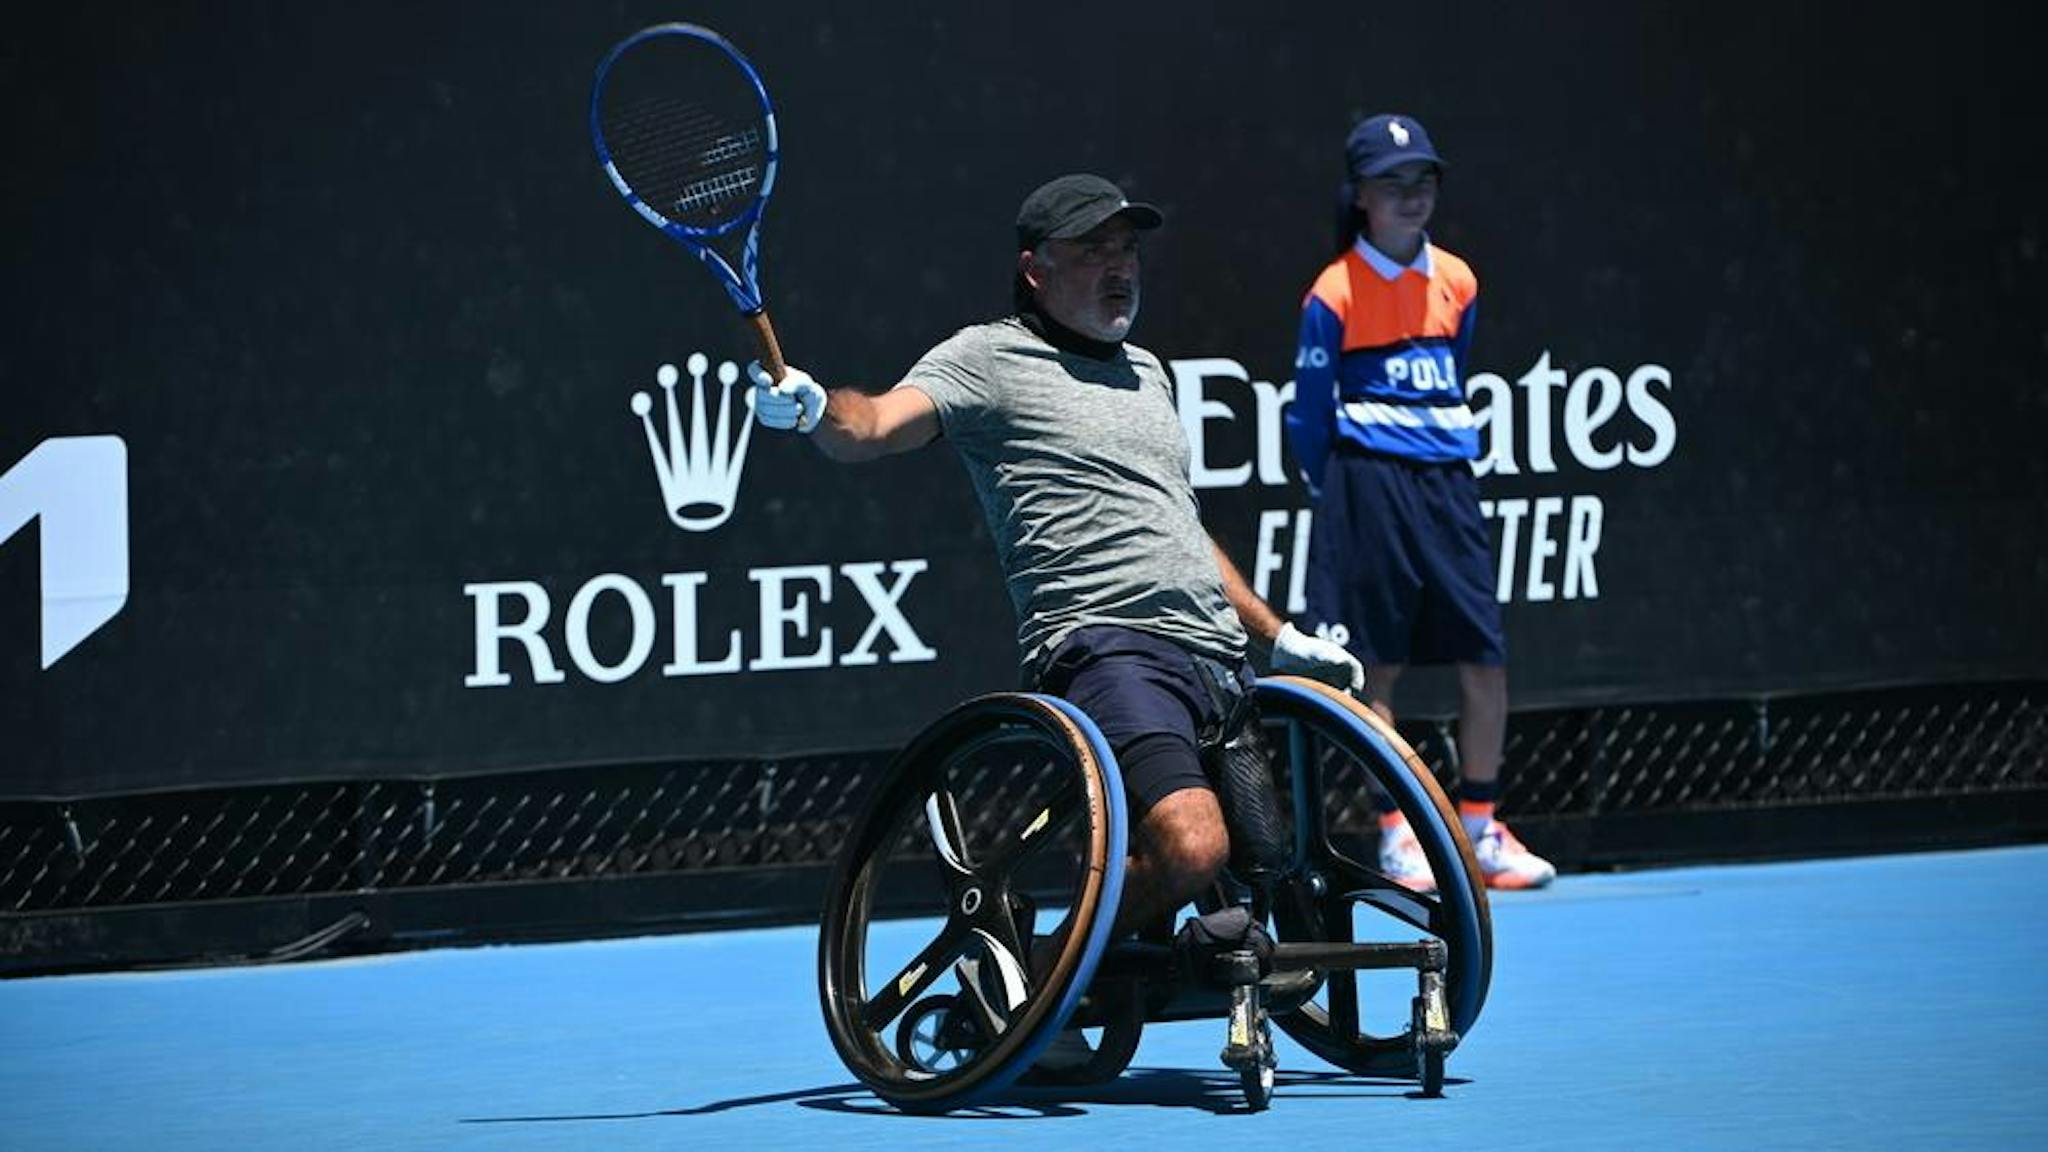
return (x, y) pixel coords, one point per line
(1243, 773)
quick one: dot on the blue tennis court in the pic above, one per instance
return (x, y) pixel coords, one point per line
(1879, 1002)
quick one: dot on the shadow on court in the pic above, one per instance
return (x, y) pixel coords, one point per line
(801, 1096)
(1213, 1092)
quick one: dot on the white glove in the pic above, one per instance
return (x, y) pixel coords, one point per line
(796, 401)
(1295, 651)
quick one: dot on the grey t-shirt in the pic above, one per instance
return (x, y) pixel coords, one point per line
(1082, 470)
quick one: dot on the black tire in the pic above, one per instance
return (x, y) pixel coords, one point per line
(1258, 1087)
(1320, 733)
(1257, 1080)
(1005, 793)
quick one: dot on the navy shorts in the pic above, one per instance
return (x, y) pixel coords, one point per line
(1156, 703)
(1400, 563)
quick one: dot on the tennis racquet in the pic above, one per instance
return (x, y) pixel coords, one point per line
(683, 127)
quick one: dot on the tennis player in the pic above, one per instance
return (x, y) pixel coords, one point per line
(1070, 436)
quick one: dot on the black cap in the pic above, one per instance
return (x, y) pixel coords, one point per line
(1383, 142)
(1073, 206)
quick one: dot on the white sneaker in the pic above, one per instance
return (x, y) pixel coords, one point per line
(1507, 863)
(1401, 858)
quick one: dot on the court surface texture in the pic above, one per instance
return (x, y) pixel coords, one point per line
(1869, 1003)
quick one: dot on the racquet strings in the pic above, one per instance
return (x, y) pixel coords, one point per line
(685, 130)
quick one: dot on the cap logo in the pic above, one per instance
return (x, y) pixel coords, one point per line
(1399, 133)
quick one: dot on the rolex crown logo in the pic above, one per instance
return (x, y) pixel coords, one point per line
(698, 466)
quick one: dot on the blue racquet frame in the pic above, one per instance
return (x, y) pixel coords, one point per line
(743, 283)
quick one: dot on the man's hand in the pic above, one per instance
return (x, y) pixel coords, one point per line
(796, 401)
(1295, 651)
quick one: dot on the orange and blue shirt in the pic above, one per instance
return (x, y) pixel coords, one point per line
(1380, 360)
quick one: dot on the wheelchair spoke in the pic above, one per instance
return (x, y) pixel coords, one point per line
(997, 928)
(1418, 911)
(949, 836)
(999, 971)
(918, 975)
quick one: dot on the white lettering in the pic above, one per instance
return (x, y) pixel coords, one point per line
(788, 608)
(1582, 543)
(1271, 402)
(1541, 548)
(1269, 561)
(1539, 382)
(1196, 408)
(1652, 411)
(779, 613)
(1581, 547)
(909, 647)
(1518, 421)
(685, 660)
(1496, 421)
(491, 632)
(1266, 558)
(1297, 583)
(1584, 416)
(1510, 514)
(76, 488)
(576, 628)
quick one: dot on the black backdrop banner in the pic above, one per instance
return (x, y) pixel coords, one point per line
(320, 453)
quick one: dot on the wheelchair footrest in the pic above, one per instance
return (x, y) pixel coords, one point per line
(1422, 955)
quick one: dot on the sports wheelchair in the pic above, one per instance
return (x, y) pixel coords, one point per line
(1009, 808)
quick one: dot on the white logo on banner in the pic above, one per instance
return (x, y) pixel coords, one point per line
(1549, 545)
(76, 487)
(698, 466)
(698, 460)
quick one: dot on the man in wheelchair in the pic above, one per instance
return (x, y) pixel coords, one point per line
(1132, 616)
(1125, 605)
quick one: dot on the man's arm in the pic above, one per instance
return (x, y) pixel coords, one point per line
(1259, 618)
(857, 426)
(847, 424)
(1287, 648)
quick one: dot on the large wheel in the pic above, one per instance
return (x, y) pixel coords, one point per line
(1007, 805)
(1329, 744)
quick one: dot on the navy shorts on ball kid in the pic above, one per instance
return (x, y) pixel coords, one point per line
(1156, 703)
(1400, 564)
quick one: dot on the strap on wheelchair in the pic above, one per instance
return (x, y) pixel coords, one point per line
(1205, 944)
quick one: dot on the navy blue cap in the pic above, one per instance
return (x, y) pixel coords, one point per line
(1387, 141)
(1072, 206)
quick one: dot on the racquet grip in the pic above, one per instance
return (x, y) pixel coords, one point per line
(771, 351)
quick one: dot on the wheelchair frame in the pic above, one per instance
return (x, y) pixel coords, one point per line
(914, 851)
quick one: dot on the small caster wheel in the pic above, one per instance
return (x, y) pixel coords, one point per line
(1257, 1076)
(933, 1038)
